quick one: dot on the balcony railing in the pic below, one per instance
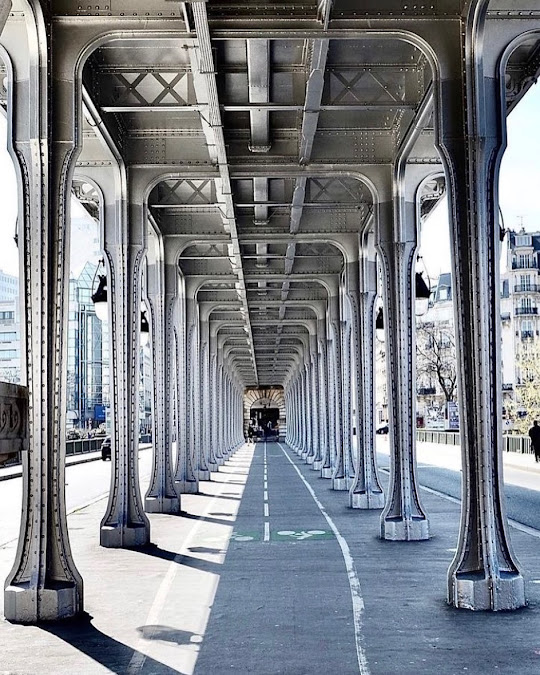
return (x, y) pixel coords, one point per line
(524, 265)
(526, 288)
(526, 310)
(527, 334)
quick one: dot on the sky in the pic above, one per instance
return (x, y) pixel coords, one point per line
(519, 185)
(519, 196)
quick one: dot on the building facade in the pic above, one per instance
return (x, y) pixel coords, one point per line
(88, 356)
(520, 300)
(10, 346)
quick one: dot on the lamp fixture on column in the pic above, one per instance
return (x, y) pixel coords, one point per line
(422, 295)
(145, 329)
(99, 298)
(379, 324)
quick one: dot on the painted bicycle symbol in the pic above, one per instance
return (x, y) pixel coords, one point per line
(302, 534)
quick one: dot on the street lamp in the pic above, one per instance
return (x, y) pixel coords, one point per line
(379, 324)
(145, 329)
(99, 298)
(422, 295)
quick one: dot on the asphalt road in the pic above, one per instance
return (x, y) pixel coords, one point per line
(439, 469)
(84, 483)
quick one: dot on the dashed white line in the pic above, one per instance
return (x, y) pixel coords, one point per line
(266, 536)
(354, 582)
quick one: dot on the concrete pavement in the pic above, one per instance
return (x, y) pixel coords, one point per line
(314, 591)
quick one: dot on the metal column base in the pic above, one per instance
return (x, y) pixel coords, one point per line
(162, 504)
(310, 459)
(327, 472)
(187, 486)
(204, 475)
(339, 484)
(405, 530)
(213, 467)
(478, 592)
(317, 465)
(129, 536)
(21, 604)
(366, 500)
(304, 454)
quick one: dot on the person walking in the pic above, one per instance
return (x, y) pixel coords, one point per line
(534, 433)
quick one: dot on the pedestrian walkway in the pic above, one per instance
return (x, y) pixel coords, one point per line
(269, 572)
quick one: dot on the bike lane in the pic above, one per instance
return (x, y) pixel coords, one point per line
(283, 603)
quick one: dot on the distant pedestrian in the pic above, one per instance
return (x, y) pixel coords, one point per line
(251, 432)
(534, 433)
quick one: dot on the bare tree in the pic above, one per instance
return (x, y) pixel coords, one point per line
(524, 408)
(436, 356)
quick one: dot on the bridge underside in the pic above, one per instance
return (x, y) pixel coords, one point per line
(260, 175)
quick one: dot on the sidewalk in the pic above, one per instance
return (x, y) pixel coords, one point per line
(222, 593)
(9, 472)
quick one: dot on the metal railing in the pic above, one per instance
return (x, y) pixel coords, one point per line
(521, 444)
(526, 310)
(526, 288)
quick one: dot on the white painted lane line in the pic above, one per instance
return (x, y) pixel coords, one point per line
(266, 512)
(266, 531)
(266, 495)
(354, 582)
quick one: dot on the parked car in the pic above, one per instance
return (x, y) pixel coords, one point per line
(106, 449)
(382, 430)
(72, 435)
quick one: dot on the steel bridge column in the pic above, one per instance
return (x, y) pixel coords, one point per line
(329, 457)
(161, 496)
(209, 389)
(307, 406)
(303, 411)
(191, 480)
(347, 401)
(403, 517)
(314, 396)
(44, 583)
(201, 399)
(221, 406)
(181, 393)
(321, 396)
(365, 491)
(339, 474)
(214, 411)
(124, 523)
(484, 574)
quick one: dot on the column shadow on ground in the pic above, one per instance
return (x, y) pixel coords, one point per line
(101, 648)
(206, 519)
(225, 495)
(182, 559)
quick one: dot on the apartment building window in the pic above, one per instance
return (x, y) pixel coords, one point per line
(525, 282)
(523, 240)
(527, 330)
